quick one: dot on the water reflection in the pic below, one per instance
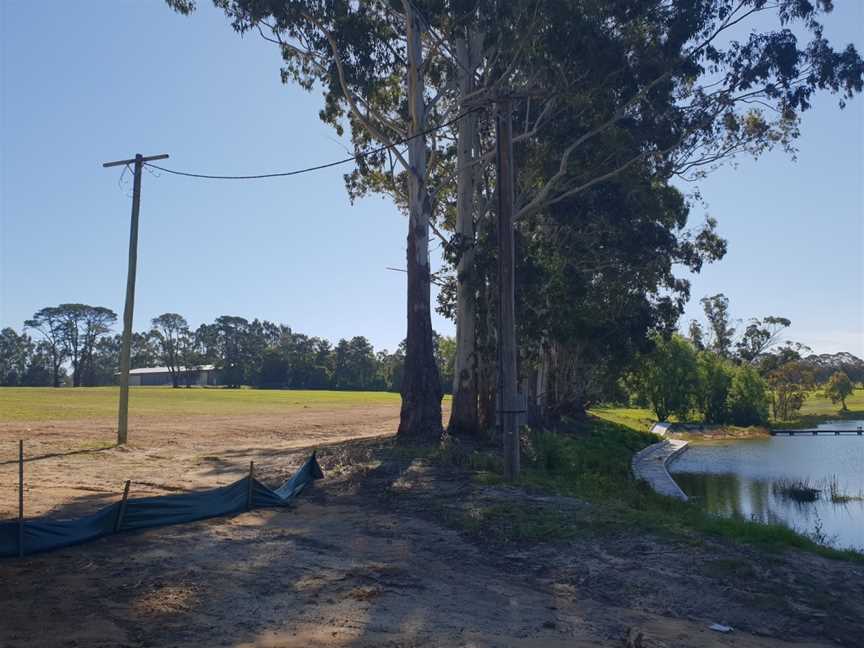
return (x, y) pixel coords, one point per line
(735, 478)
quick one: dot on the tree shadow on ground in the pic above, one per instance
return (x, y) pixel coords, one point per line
(358, 561)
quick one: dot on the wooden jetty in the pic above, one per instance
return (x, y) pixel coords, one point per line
(859, 432)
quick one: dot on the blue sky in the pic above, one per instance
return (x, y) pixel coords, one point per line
(90, 82)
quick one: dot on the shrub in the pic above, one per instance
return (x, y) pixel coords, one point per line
(748, 397)
(668, 377)
(715, 381)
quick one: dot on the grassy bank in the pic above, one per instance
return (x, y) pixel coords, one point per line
(87, 403)
(590, 461)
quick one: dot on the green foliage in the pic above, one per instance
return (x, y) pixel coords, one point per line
(668, 377)
(639, 419)
(591, 460)
(717, 312)
(72, 331)
(546, 450)
(759, 336)
(171, 332)
(593, 464)
(17, 358)
(256, 353)
(748, 398)
(789, 385)
(715, 380)
(674, 379)
(839, 388)
(600, 227)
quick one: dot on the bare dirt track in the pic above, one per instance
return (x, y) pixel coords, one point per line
(371, 557)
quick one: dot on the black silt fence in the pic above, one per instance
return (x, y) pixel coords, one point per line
(48, 533)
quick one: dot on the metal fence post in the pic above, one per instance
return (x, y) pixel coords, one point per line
(21, 498)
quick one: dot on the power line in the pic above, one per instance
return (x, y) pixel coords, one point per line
(353, 158)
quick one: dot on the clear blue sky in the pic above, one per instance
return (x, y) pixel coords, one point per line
(89, 82)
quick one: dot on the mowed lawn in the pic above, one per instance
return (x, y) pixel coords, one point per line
(85, 403)
(818, 405)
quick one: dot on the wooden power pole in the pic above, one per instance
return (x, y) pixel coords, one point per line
(509, 403)
(125, 349)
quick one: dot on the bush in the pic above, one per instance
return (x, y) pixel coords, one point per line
(748, 398)
(715, 381)
(668, 377)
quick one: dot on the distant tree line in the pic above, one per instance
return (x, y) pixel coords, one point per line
(724, 376)
(75, 344)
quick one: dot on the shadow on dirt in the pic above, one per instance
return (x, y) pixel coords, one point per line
(365, 559)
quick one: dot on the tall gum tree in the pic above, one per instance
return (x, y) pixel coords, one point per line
(667, 88)
(370, 59)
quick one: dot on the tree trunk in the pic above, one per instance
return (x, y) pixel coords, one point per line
(486, 356)
(464, 413)
(55, 364)
(508, 350)
(420, 416)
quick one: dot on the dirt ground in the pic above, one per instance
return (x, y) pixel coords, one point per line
(370, 557)
(71, 466)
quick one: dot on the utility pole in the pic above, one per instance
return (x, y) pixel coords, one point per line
(125, 349)
(510, 405)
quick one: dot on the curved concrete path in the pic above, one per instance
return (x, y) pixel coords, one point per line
(650, 463)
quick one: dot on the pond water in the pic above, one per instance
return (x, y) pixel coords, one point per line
(740, 478)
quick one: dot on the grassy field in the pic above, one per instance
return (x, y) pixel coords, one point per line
(635, 418)
(817, 409)
(86, 403)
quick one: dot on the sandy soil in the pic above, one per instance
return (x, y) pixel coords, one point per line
(367, 558)
(70, 465)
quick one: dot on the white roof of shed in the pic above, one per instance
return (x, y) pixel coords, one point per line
(158, 370)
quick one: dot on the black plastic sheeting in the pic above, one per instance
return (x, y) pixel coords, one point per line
(47, 533)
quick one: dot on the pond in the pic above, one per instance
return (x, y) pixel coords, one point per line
(748, 478)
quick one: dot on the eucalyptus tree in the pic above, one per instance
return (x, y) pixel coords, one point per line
(597, 276)
(16, 353)
(48, 323)
(369, 58)
(839, 388)
(170, 329)
(662, 85)
(716, 309)
(668, 88)
(759, 336)
(72, 331)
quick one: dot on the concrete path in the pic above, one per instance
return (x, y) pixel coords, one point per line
(650, 464)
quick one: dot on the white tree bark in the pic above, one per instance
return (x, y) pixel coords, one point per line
(421, 384)
(464, 413)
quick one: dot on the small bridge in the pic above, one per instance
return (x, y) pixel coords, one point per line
(859, 432)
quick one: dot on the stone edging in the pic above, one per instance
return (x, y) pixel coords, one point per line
(650, 463)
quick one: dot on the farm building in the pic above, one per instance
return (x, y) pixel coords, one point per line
(161, 376)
